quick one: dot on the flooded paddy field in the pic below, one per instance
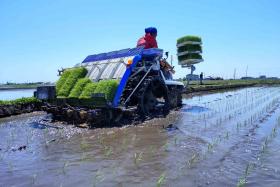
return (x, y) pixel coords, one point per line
(221, 139)
(11, 94)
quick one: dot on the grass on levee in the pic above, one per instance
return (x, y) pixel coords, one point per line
(196, 84)
(24, 100)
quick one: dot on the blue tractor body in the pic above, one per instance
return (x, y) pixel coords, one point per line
(134, 54)
(145, 87)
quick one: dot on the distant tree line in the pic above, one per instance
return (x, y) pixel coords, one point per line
(26, 83)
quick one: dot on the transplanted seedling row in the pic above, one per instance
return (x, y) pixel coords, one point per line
(257, 109)
(223, 110)
(251, 122)
(251, 166)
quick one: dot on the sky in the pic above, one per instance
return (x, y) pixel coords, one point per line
(38, 37)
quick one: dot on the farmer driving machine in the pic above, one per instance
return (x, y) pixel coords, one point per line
(108, 87)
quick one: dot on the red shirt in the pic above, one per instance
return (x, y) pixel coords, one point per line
(148, 41)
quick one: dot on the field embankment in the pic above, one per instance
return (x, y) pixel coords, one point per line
(15, 86)
(19, 106)
(216, 85)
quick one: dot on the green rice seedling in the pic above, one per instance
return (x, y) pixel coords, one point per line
(115, 169)
(274, 132)
(245, 123)
(62, 80)
(217, 122)
(210, 147)
(8, 143)
(266, 141)
(75, 74)
(34, 176)
(46, 143)
(161, 180)
(227, 135)
(1, 157)
(12, 135)
(219, 139)
(11, 167)
(190, 56)
(263, 148)
(238, 126)
(65, 165)
(193, 159)
(137, 158)
(175, 140)
(190, 48)
(251, 120)
(152, 149)
(108, 151)
(88, 90)
(101, 139)
(84, 156)
(107, 87)
(241, 182)
(28, 138)
(124, 143)
(79, 87)
(189, 38)
(165, 146)
(204, 119)
(84, 145)
(99, 177)
(248, 169)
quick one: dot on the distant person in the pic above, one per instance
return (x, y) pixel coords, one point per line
(149, 40)
(201, 78)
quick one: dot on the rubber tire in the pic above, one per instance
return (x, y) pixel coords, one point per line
(162, 91)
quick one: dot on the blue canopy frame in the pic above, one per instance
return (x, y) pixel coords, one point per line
(137, 53)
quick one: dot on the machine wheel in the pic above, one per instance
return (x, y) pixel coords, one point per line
(175, 97)
(179, 98)
(172, 94)
(153, 97)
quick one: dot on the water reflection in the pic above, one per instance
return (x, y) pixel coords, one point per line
(194, 109)
(15, 94)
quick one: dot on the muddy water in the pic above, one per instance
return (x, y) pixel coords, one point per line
(222, 139)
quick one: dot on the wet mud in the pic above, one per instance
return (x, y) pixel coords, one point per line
(220, 139)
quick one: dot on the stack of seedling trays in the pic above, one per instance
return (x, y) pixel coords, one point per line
(76, 89)
(189, 49)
